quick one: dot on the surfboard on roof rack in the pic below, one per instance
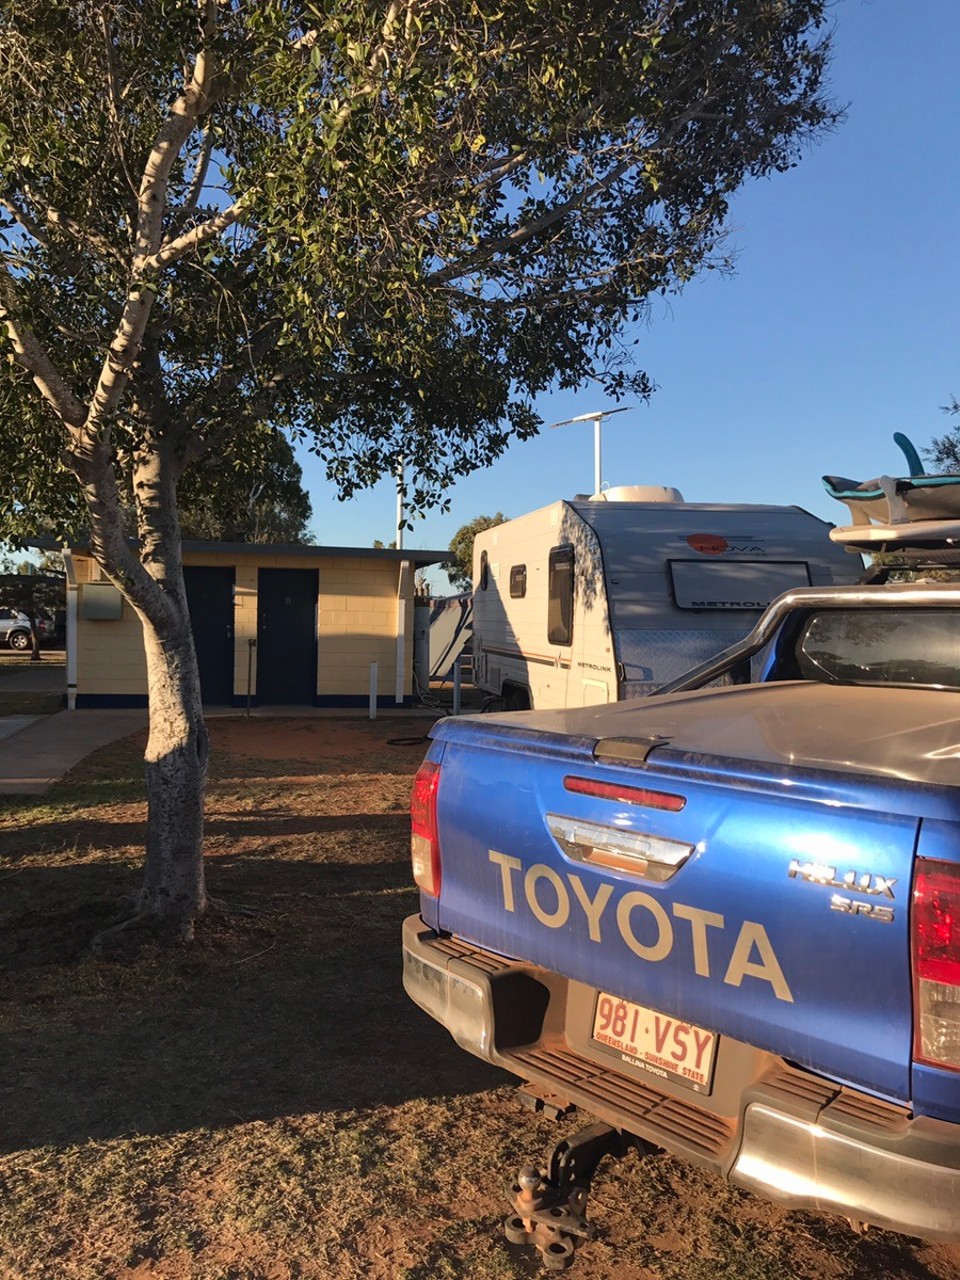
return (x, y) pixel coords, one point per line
(918, 512)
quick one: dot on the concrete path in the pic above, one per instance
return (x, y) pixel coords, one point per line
(35, 756)
(9, 725)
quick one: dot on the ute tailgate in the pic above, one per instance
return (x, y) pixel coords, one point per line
(746, 937)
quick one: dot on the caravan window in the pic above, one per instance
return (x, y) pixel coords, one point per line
(734, 584)
(518, 581)
(560, 596)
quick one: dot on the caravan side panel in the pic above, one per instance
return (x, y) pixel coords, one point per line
(686, 580)
(526, 649)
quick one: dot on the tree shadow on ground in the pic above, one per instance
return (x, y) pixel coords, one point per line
(296, 1009)
(82, 835)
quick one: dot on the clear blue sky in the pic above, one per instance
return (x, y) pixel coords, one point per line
(839, 327)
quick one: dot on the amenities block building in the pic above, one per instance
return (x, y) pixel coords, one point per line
(273, 625)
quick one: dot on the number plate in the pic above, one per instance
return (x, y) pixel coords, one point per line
(664, 1046)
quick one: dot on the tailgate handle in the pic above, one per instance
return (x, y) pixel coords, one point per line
(647, 857)
(630, 750)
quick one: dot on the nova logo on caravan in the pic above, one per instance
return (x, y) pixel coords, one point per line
(641, 921)
(714, 544)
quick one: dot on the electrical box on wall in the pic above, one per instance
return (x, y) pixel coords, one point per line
(100, 602)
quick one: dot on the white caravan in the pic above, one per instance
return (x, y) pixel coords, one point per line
(609, 597)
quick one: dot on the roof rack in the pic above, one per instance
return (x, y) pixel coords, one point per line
(916, 517)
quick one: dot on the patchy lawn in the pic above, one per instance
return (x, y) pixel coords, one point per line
(267, 1104)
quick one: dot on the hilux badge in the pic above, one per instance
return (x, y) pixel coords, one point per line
(850, 881)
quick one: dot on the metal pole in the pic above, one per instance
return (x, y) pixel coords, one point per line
(456, 687)
(251, 645)
(72, 614)
(373, 691)
(402, 583)
(400, 469)
(72, 592)
(597, 420)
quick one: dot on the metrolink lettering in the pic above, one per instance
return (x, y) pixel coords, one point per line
(728, 604)
(641, 920)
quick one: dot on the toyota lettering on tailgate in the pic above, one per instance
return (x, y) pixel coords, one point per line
(552, 898)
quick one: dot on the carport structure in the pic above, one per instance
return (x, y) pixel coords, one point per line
(273, 626)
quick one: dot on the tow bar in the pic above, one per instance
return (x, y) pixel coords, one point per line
(550, 1205)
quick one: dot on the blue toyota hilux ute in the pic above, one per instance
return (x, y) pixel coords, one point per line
(723, 920)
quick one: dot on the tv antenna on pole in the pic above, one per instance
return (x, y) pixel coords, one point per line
(597, 420)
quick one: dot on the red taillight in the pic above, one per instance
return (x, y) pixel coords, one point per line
(424, 845)
(936, 963)
(626, 795)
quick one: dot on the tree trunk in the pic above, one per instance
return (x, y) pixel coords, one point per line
(173, 892)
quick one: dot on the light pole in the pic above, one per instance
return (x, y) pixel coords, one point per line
(401, 467)
(597, 420)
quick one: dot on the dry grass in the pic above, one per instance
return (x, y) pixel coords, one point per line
(25, 702)
(267, 1105)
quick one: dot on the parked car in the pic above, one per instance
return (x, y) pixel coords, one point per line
(724, 921)
(15, 629)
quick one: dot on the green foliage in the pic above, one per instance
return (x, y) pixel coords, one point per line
(443, 210)
(252, 491)
(944, 452)
(256, 498)
(461, 544)
(30, 592)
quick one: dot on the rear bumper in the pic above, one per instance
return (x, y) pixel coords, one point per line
(795, 1138)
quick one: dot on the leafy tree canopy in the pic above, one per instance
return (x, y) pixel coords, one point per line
(385, 226)
(257, 498)
(461, 544)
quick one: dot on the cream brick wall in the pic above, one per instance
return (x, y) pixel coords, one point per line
(110, 656)
(357, 625)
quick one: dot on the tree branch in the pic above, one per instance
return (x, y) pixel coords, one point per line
(488, 249)
(379, 57)
(113, 97)
(199, 175)
(196, 236)
(86, 236)
(180, 122)
(520, 235)
(29, 223)
(30, 354)
(90, 460)
(229, 376)
(255, 410)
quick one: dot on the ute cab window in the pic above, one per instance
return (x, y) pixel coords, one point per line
(916, 647)
(560, 596)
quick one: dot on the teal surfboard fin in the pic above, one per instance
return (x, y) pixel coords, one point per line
(909, 452)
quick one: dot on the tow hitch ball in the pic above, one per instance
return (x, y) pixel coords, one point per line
(550, 1205)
